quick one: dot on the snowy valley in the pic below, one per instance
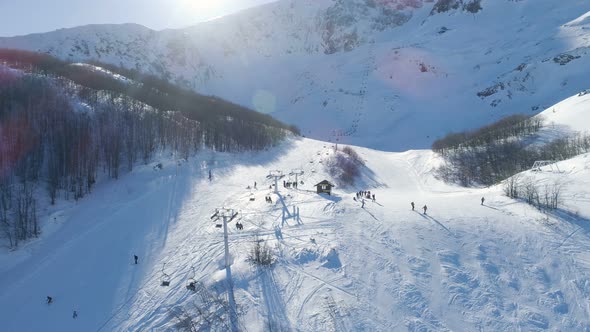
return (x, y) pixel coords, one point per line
(503, 265)
(384, 79)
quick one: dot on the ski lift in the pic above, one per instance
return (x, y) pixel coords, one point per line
(165, 277)
(191, 283)
(216, 221)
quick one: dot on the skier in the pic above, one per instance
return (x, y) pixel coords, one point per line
(425, 208)
(482, 200)
(49, 300)
(254, 184)
(373, 197)
(412, 206)
(75, 314)
(136, 258)
(363, 206)
(210, 175)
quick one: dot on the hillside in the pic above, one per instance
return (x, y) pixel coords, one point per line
(503, 265)
(368, 73)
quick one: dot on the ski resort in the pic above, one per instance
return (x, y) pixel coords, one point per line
(393, 171)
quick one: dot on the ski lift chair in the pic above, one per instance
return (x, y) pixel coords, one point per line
(165, 277)
(165, 280)
(191, 283)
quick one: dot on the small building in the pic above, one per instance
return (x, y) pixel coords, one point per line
(324, 187)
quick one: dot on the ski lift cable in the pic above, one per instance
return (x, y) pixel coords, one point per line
(149, 280)
(153, 276)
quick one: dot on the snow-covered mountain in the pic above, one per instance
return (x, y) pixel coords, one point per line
(368, 72)
(463, 266)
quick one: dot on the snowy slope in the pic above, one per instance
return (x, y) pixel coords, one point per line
(368, 73)
(462, 267)
(572, 114)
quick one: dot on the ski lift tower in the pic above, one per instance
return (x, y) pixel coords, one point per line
(276, 175)
(227, 215)
(297, 172)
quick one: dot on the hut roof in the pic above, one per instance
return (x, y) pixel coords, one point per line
(325, 182)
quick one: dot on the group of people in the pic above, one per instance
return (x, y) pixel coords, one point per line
(424, 208)
(268, 199)
(50, 301)
(239, 226)
(289, 184)
(361, 195)
(365, 194)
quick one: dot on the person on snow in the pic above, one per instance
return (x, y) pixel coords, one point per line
(136, 258)
(75, 314)
(49, 300)
(254, 184)
(482, 200)
(373, 197)
(363, 201)
(425, 208)
(412, 206)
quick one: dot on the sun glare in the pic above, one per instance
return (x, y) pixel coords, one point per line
(202, 5)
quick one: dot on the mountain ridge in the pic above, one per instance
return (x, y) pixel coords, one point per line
(331, 63)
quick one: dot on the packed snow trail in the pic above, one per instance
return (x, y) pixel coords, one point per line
(464, 266)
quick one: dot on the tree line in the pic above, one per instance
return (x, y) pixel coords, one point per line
(58, 132)
(511, 126)
(496, 152)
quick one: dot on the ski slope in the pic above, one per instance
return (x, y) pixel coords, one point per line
(399, 84)
(501, 266)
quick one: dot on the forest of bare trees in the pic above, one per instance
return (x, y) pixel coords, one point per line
(498, 151)
(59, 130)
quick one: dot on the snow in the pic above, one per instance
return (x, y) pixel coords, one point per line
(464, 266)
(572, 113)
(105, 72)
(399, 87)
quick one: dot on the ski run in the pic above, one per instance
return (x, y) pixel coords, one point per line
(464, 266)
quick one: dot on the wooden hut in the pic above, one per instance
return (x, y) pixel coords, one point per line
(324, 187)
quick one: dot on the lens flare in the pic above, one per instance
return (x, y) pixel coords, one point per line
(264, 102)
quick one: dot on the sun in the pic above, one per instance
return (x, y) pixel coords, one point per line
(202, 5)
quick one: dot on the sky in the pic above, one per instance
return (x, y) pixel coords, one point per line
(18, 17)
